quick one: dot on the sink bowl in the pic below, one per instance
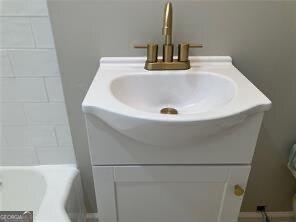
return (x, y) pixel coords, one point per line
(188, 94)
(210, 98)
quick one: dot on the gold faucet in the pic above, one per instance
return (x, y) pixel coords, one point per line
(167, 30)
(168, 62)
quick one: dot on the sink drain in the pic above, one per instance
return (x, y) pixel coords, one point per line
(169, 110)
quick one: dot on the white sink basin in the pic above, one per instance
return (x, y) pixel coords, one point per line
(210, 97)
(188, 94)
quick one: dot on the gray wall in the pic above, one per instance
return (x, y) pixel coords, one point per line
(260, 36)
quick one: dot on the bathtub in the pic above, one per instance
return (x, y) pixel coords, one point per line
(52, 192)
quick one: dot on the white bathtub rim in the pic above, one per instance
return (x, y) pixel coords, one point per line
(53, 205)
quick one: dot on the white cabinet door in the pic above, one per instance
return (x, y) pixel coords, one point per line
(169, 193)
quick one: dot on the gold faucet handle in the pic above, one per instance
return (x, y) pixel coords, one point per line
(152, 51)
(183, 51)
(195, 45)
(140, 46)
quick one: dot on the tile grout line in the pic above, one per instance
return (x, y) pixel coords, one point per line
(32, 32)
(27, 49)
(56, 136)
(24, 16)
(46, 89)
(10, 63)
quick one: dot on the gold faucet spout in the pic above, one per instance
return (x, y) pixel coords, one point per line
(168, 23)
(168, 62)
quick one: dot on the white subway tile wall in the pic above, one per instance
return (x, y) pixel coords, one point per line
(18, 156)
(63, 135)
(16, 32)
(34, 62)
(5, 69)
(40, 27)
(23, 8)
(54, 89)
(34, 126)
(12, 114)
(22, 90)
(46, 113)
(52, 154)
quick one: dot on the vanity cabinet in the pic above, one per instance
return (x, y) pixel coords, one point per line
(136, 182)
(190, 167)
(169, 193)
